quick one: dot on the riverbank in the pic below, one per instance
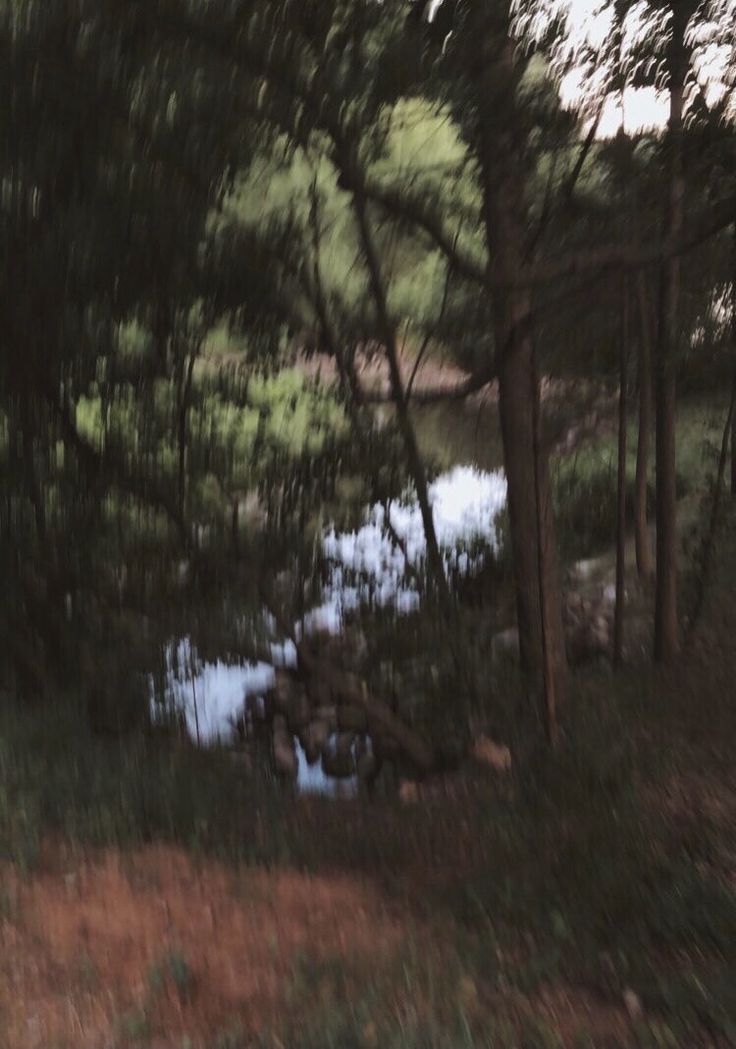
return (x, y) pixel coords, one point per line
(157, 896)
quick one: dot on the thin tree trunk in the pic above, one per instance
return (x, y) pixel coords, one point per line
(182, 430)
(733, 348)
(530, 504)
(618, 621)
(644, 565)
(550, 673)
(709, 539)
(33, 488)
(406, 427)
(504, 171)
(666, 639)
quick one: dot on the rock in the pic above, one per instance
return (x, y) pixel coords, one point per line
(320, 692)
(352, 718)
(505, 643)
(584, 570)
(327, 714)
(298, 712)
(366, 766)
(338, 759)
(609, 594)
(344, 743)
(633, 1005)
(284, 758)
(385, 748)
(574, 601)
(489, 753)
(284, 752)
(313, 739)
(338, 766)
(283, 689)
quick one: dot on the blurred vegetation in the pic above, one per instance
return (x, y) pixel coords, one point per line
(252, 253)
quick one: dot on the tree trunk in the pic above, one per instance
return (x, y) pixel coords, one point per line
(531, 514)
(546, 556)
(665, 614)
(618, 621)
(644, 565)
(33, 488)
(710, 535)
(733, 348)
(406, 427)
(184, 393)
(666, 639)
(530, 505)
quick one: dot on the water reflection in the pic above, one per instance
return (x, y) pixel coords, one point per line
(365, 566)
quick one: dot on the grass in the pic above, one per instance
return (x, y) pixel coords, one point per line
(604, 868)
(570, 876)
(58, 777)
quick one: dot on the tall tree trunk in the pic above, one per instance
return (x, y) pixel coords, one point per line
(666, 639)
(33, 488)
(733, 349)
(618, 621)
(185, 389)
(644, 565)
(530, 506)
(551, 673)
(710, 535)
(531, 514)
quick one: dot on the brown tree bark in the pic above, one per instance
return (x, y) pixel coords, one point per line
(530, 508)
(666, 634)
(552, 674)
(733, 348)
(710, 535)
(644, 564)
(531, 514)
(184, 392)
(618, 620)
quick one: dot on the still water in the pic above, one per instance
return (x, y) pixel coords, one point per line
(365, 567)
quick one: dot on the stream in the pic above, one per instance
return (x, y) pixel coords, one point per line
(366, 568)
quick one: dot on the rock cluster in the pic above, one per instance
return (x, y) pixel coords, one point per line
(329, 732)
(588, 621)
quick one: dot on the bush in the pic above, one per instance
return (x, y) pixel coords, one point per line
(585, 501)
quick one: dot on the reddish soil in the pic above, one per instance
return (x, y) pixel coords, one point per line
(81, 943)
(87, 946)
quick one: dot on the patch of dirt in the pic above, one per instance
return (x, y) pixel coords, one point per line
(150, 947)
(87, 948)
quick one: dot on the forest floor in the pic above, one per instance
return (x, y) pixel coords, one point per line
(157, 897)
(589, 902)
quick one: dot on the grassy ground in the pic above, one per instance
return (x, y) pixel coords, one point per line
(155, 896)
(526, 911)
